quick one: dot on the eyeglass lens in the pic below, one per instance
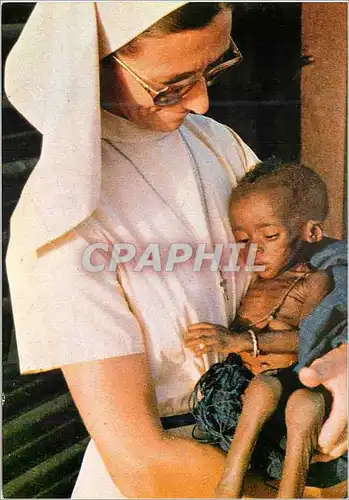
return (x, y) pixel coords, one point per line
(173, 95)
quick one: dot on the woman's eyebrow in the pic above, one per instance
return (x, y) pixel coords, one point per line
(179, 77)
(184, 76)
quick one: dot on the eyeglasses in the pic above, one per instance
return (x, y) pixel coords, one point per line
(172, 94)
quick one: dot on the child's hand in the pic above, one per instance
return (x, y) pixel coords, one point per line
(208, 337)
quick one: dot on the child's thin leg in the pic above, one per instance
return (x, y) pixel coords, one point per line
(260, 401)
(305, 413)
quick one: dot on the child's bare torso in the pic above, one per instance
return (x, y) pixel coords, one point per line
(273, 305)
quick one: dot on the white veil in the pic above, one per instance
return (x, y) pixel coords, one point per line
(52, 78)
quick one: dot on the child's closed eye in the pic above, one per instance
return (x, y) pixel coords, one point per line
(241, 237)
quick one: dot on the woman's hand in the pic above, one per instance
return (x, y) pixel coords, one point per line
(202, 338)
(331, 371)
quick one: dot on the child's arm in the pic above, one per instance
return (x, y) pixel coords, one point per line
(317, 285)
(207, 337)
(202, 338)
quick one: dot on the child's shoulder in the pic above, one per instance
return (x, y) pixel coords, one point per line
(311, 276)
(308, 281)
(317, 284)
(317, 276)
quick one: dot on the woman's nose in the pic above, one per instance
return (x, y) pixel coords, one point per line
(197, 98)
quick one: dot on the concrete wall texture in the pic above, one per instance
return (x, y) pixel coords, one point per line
(323, 96)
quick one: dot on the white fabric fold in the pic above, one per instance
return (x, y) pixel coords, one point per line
(52, 78)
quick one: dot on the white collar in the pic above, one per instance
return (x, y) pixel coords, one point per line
(119, 129)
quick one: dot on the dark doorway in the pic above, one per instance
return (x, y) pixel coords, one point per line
(260, 98)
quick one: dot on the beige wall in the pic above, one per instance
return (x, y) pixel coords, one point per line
(323, 86)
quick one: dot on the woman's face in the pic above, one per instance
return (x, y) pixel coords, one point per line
(160, 60)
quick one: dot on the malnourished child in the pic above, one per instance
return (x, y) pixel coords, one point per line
(281, 209)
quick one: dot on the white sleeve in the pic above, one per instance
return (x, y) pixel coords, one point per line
(65, 314)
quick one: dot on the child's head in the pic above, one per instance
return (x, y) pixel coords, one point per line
(277, 206)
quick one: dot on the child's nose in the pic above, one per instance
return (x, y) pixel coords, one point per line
(260, 249)
(260, 246)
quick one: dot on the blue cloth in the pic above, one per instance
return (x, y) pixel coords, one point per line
(326, 327)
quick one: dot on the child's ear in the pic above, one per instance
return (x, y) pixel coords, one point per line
(312, 231)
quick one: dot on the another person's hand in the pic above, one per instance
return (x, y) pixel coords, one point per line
(202, 338)
(331, 371)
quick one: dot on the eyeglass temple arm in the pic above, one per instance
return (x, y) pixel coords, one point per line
(235, 47)
(136, 77)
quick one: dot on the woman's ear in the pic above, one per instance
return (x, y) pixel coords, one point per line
(313, 231)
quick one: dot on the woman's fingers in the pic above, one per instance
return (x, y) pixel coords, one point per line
(331, 371)
(332, 438)
(309, 377)
(341, 445)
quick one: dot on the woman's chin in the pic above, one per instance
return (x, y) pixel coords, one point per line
(173, 122)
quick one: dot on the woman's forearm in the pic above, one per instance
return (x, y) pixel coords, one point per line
(175, 468)
(116, 400)
(196, 470)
